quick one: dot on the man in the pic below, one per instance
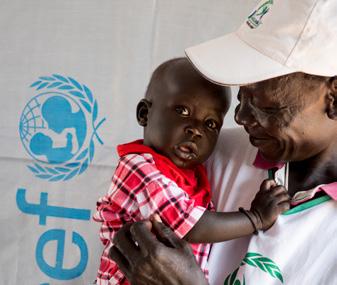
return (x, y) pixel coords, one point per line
(283, 58)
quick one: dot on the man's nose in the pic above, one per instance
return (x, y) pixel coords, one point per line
(193, 131)
(244, 115)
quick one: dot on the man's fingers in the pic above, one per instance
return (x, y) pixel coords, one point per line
(141, 233)
(121, 261)
(166, 235)
(124, 243)
(155, 217)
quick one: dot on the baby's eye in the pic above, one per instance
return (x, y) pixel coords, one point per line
(182, 110)
(211, 124)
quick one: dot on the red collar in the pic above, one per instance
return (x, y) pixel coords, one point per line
(193, 181)
(262, 163)
(259, 162)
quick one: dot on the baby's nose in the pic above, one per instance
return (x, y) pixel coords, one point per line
(193, 131)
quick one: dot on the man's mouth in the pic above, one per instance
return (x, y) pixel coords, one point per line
(186, 151)
(257, 141)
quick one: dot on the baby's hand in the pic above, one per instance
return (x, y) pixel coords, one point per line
(269, 203)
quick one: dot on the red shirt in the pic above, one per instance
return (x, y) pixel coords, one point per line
(139, 189)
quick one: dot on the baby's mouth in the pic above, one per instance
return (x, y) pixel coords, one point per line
(186, 150)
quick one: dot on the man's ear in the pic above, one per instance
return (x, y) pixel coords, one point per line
(143, 111)
(332, 99)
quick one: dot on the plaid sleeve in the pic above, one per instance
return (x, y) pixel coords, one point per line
(115, 209)
(138, 190)
(176, 209)
(111, 219)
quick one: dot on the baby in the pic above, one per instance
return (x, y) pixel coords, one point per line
(182, 114)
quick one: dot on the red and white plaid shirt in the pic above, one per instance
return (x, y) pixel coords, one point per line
(138, 190)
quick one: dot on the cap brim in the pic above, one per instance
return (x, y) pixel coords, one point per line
(230, 61)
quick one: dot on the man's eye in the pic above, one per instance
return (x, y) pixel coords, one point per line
(211, 124)
(181, 110)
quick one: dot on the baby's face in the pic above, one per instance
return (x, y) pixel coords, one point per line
(184, 125)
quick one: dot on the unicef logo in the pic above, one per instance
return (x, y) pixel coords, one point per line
(58, 128)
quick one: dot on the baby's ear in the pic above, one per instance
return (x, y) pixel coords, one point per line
(143, 111)
(332, 98)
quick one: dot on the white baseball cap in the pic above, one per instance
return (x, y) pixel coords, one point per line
(279, 37)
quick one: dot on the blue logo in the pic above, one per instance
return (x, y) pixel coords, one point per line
(58, 128)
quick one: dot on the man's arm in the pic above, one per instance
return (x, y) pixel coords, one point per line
(268, 204)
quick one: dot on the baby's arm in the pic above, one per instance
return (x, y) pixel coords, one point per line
(267, 205)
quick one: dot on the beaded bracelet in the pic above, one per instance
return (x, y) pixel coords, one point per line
(246, 213)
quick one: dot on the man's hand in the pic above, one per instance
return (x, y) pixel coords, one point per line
(149, 253)
(269, 203)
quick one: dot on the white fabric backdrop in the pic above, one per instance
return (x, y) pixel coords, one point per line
(111, 46)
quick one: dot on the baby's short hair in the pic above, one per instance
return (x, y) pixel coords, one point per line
(172, 72)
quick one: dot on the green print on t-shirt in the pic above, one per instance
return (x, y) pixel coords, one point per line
(256, 260)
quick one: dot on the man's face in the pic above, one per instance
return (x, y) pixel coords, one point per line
(285, 117)
(184, 125)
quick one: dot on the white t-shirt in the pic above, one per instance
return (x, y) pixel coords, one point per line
(234, 182)
(300, 248)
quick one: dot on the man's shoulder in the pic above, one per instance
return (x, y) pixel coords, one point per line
(232, 140)
(233, 144)
(237, 134)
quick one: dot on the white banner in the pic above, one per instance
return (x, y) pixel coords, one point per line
(72, 72)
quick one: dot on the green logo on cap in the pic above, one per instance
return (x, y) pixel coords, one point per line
(255, 19)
